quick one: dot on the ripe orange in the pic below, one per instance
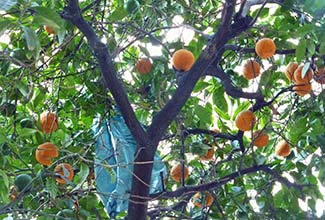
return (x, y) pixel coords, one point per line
(251, 69)
(183, 60)
(65, 170)
(260, 139)
(49, 122)
(209, 154)
(176, 173)
(265, 48)
(45, 153)
(291, 68)
(203, 200)
(49, 29)
(302, 89)
(298, 75)
(143, 66)
(245, 120)
(320, 75)
(282, 149)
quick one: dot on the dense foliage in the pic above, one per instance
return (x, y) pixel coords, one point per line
(60, 73)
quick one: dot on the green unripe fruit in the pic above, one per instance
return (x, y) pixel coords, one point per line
(132, 6)
(26, 123)
(21, 181)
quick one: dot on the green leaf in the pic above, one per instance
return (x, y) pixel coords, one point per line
(27, 132)
(4, 24)
(82, 175)
(301, 50)
(23, 89)
(219, 99)
(31, 38)
(48, 16)
(118, 14)
(305, 69)
(322, 48)
(51, 187)
(4, 178)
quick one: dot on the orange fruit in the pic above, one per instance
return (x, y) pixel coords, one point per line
(265, 48)
(282, 149)
(203, 200)
(65, 170)
(320, 75)
(209, 154)
(298, 75)
(183, 60)
(302, 89)
(260, 139)
(176, 172)
(245, 120)
(143, 66)
(49, 29)
(45, 153)
(49, 122)
(291, 68)
(251, 69)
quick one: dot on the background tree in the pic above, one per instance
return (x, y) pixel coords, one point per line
(78, 61)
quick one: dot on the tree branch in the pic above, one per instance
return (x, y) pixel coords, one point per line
(73, 13)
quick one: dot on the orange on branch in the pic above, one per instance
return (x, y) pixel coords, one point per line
(251, 69)
(282, 149)
(143, 66)
(265, 48)
(45, 153)
(320, 75)
(183, 60)
(49, 29)
(260, 139)
(290, 70)
(298, 75)
(245, 120)
(203, 200)
(302, 89)
(209, 154)
(49, 122)
(65, 170)
(176, 173)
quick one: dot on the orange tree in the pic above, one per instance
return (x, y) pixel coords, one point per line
(78, 61)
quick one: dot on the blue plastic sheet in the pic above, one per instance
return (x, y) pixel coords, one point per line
(114, 155)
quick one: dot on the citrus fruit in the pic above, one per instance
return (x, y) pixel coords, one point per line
(143, 66)
(260, 139)
(49, 29)
(21, 181)
(298, 75)
(49, 122)
(176, 172)
(251, 69)
(26, 123)
(320, 75)
(245, 120)
(65, 170)
(209, 154)
(290, 70)
(45, 153)
(302, 89)
(282, 149)
(183, 60)
(131, 6)
(203, 200)
(265, 48)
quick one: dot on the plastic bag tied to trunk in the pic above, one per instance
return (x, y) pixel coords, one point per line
(114, 156)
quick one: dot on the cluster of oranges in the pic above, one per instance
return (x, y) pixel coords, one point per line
(246, 120)
(45, 152)
(264, 48)
(182, 60)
